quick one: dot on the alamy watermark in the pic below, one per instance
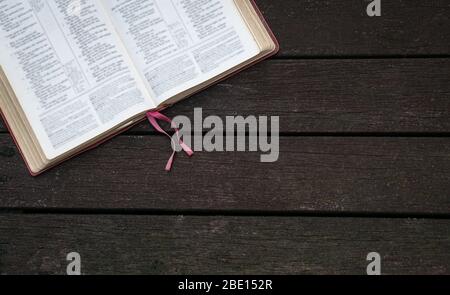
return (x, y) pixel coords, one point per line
(374, 267)
(374, 8)
(235, 133)
(74, 8)
(74, 266)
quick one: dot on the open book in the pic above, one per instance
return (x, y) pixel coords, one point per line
(76, 72)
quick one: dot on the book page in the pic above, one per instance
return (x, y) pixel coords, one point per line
(69, 70)
(178, 44)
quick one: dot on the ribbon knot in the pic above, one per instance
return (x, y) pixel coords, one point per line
(153, 117)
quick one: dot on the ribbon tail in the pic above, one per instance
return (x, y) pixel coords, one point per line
(153, 117)
(170, 162)
(186, 148)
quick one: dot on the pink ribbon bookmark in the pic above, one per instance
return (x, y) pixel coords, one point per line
(153, 116)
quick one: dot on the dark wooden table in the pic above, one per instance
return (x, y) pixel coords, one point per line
(364, 106)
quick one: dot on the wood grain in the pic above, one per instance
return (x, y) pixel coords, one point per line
(332, 96)
(313, 174)
(316, 28)
(339, 73)
(38, 244)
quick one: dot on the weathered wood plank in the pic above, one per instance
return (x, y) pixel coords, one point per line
(325, 174)
(398, 95)
(411, 95)
(38, 244)
(342, 28)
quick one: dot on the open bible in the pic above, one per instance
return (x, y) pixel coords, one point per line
(77, 72)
